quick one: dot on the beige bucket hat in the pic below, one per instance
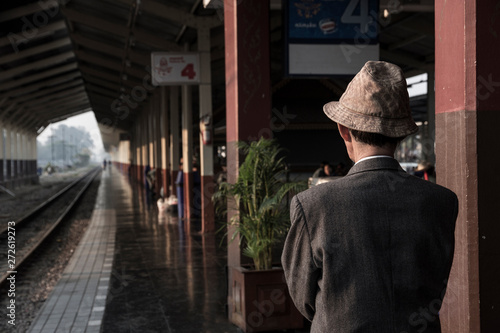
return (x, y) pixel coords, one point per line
(375, 101)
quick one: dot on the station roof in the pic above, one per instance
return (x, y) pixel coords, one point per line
(60, 58)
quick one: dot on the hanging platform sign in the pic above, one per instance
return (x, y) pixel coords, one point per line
(330, 37)
(168, 68)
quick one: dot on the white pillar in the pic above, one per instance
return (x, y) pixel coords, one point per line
(34, 154)
(165, 142)
(2, 154)
(8, 152)
(187, 129)
(144, 142)
(15, 153)
(174, 128)
(137, 147)
(206, 150)
(151, 133)
(126, 153)
(187, 151)
(157, 139)
(24, 152)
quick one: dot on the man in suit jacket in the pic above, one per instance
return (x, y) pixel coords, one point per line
(372, 251)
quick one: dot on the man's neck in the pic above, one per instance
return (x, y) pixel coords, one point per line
(373, 156)
(361, 151)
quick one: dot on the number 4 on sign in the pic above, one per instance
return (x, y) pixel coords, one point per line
(188, 71)
(363, 19)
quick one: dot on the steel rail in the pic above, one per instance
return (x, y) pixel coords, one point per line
(44, 204)
(20, 260)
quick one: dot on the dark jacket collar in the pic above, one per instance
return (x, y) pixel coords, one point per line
(375, 164)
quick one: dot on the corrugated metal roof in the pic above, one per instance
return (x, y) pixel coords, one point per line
(62, 58)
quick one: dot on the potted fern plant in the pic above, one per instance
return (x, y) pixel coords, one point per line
(260, 194)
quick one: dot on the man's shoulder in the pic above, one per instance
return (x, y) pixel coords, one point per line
(325, 189)
(433, 187)
(350, 184)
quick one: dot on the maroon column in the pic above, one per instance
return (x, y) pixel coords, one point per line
(467, 118)
(208, 211)
(8, 177)
(139, 172)
(248, 88)
(165, 182)
(188, 196)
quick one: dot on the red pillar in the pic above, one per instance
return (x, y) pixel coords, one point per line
(248, 88)
(9, 177)
(188, 195)
(467, 118)
(207, 206)
(165, 182)
(164, 122)
(187, 152)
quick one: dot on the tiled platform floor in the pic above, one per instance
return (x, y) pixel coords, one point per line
(77, 302)
(136, 271)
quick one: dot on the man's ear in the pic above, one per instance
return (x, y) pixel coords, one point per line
(344, 133)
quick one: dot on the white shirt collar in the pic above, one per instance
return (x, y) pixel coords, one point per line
(370, 157)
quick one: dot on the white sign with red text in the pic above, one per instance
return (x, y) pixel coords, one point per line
(169, 68)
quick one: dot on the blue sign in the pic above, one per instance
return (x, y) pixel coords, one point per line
(332, 21)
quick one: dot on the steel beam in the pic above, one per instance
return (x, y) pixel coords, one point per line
(22, 38)
(50, 61)
(49, 90)
(42, 75)
(25, 10)
(173, 14)
(35, 50)
(37, 86)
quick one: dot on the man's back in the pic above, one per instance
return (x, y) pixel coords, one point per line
(379, 243)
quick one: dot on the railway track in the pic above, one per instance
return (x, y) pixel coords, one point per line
(22, 237)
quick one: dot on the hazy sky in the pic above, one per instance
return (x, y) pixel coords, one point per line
(88, 122)
(417, 85)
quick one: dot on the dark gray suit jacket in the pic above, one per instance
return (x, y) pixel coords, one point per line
(372, 251)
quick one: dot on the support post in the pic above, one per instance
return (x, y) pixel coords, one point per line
(467, 118)
(248, 90)
(8, 155)
(138, 149)
(144, 146)
(165, 142)
(187, 150)
(174, 142)
(156, 143)
(34, 158)
(206, 149)
(428, 144)
(15, 157)
(24, 154)
(2, 154)
(151, 133)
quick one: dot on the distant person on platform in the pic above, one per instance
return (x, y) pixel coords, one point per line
(320, 172)
(425, 170)
(371, 251)
(179, 184)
